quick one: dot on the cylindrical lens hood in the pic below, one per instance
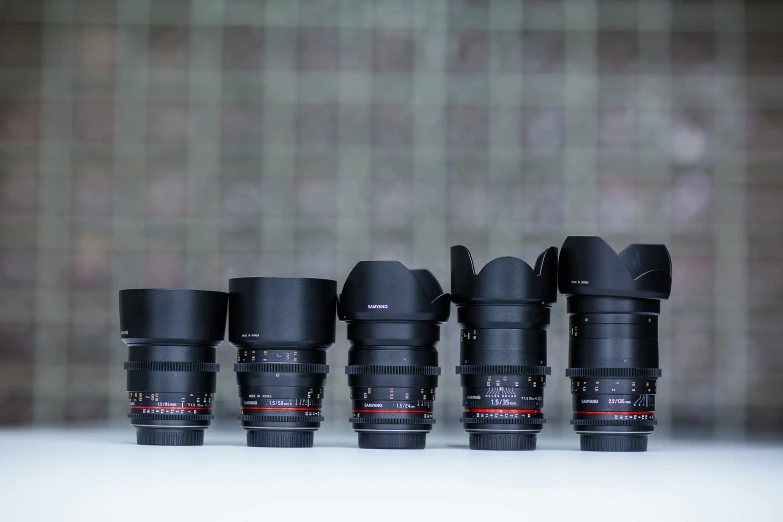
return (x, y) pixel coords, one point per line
(172, 336)
(393, 316)
(503, 312)
(613, 307)
(281, 328)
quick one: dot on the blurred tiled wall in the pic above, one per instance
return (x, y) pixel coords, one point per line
(174, 143)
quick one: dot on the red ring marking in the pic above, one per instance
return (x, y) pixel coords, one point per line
(498, 410)
(274, 408)
(169, 408)
(391, 411)
(614, 412)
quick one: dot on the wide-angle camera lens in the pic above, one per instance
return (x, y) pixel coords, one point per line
(172, 336)
(503, 312)
(613, 305)
(281, 328)
(393, 316)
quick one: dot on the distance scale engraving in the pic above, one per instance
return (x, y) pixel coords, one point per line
(386, 400)
(255, 403)
(170, 403)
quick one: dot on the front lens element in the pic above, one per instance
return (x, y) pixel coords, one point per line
(281, 328)
(393, 316)
(172, 336)
(613, 307)
(503, 312)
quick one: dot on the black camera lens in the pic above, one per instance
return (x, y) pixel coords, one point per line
(393, 316)
(613, 307)
(281, 328)
(172, 336)
(503, 312)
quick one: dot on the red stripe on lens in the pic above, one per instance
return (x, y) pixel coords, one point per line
(614, 413)
(168, 408)
(498, 410)
(392, 411)
(274, 408)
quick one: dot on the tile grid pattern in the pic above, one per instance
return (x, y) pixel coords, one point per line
(180, 143)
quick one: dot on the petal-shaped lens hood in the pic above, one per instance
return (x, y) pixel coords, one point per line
(387, 291)
(589, 266)
(503, 280)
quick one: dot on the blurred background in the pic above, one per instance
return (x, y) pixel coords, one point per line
(175, 143)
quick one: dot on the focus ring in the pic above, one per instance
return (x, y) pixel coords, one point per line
(278, 418)
(605, 422)
(639, 373)
(488, 420)
(174, 416)
(479, 369)
(171, 366)
(391, 370)
(366, 420)
(263, 367)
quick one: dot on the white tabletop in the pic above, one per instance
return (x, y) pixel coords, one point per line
(90, 475)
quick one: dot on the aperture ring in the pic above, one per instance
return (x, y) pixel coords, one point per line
(174, 416)
(396, 420)
(639, 373)
(609, 422)
(391, 370)
(278, 418)
(265, 367)
(171, 366)
(480, 369)
(502, 420)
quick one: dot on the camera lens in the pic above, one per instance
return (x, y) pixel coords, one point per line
(393, 316)
(613, 308)
(172, 336)
(281, 328)
(503, 312)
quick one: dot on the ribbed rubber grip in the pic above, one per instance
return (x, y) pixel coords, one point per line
(279, 439)
(360, 369)
(279, 418)
(262, 367)
(171, 416)
(502, 442)
(169, 437)
(402, 440)
(502, 369)
(613, 443)
(638, 373)
(171, 366)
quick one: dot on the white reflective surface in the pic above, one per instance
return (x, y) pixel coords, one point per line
(99, 475)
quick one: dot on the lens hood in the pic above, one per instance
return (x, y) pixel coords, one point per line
(388, 291)
(281, 311)
(589, 266)
(176, 316)
(503, 280)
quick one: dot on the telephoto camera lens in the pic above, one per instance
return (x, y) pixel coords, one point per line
(172, 336)
(503, 312)
(393, 316)
(613, 307)
(281, 328)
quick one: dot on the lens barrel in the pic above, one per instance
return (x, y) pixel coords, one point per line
(172, 336)
(503, 313)
(613, 307)
(393, 316)
(281, 328)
